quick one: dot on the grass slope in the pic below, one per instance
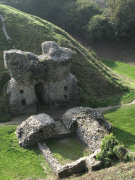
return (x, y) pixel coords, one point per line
(123, 122)
(98, 84)
(19, 163)
(119, 172)
(121, 68)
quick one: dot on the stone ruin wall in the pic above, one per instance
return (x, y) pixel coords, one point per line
(87, 124)
(44, 79)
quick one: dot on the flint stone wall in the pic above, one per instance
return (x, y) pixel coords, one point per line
(89, 125)
(39, 127)
(50, 71)
(35, 128)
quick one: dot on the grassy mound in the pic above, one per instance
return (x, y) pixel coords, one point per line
(98, 85)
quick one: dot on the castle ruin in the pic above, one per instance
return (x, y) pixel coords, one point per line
(41, 80)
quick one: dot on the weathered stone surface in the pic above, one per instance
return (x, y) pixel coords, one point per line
(35, 128)
(46, 78)
(60, 129)
(89, 125)
(93, 164)
(52, 161)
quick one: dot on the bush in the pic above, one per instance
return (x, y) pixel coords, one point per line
(99, 28)
(79, 15)
(122, 15)
(128, 157)
(112, 151)
(120, 152)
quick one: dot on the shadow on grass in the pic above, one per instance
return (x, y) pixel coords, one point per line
(125, 138)
(109, 63)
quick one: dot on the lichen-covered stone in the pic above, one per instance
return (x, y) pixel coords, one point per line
(34, 129)
(89, 125)
(46, 78)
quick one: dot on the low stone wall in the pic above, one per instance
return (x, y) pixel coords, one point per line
(52, 161)
(89, 125)
(82, 165)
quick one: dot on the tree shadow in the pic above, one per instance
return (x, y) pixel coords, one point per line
(125, 138)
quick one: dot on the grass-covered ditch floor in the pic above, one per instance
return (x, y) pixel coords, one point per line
(19, 163)
(123, 122)
(121, 68)
(67, 149)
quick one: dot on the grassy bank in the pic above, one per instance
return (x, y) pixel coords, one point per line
(122, 68)
(19, 163)
(122, 120)
(122, 171)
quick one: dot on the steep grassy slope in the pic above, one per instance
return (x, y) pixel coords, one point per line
(97, 83)
(54, 11)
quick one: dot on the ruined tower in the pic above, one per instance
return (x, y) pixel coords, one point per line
(41, 80)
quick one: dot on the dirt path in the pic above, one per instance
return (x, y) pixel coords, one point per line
(101, 109)
(5, 31)
(56, 114)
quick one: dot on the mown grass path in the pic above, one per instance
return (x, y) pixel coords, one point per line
(5, 31)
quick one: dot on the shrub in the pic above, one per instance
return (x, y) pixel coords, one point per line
(99, 28)
(79, 15)
(112, 151)
(128, 157)
(120, 152)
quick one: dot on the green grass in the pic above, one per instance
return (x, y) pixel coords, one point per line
(19, 163)
(121, 68)
(67, 150)
(123, 122)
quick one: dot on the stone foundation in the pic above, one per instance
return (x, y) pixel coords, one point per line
(80, 166)
(89, 125)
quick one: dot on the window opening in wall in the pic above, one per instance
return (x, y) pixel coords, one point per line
(21, 91)
(40, 131)
(65, 96)
(65, 88)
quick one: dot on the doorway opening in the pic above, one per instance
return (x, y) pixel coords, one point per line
(39, 93)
